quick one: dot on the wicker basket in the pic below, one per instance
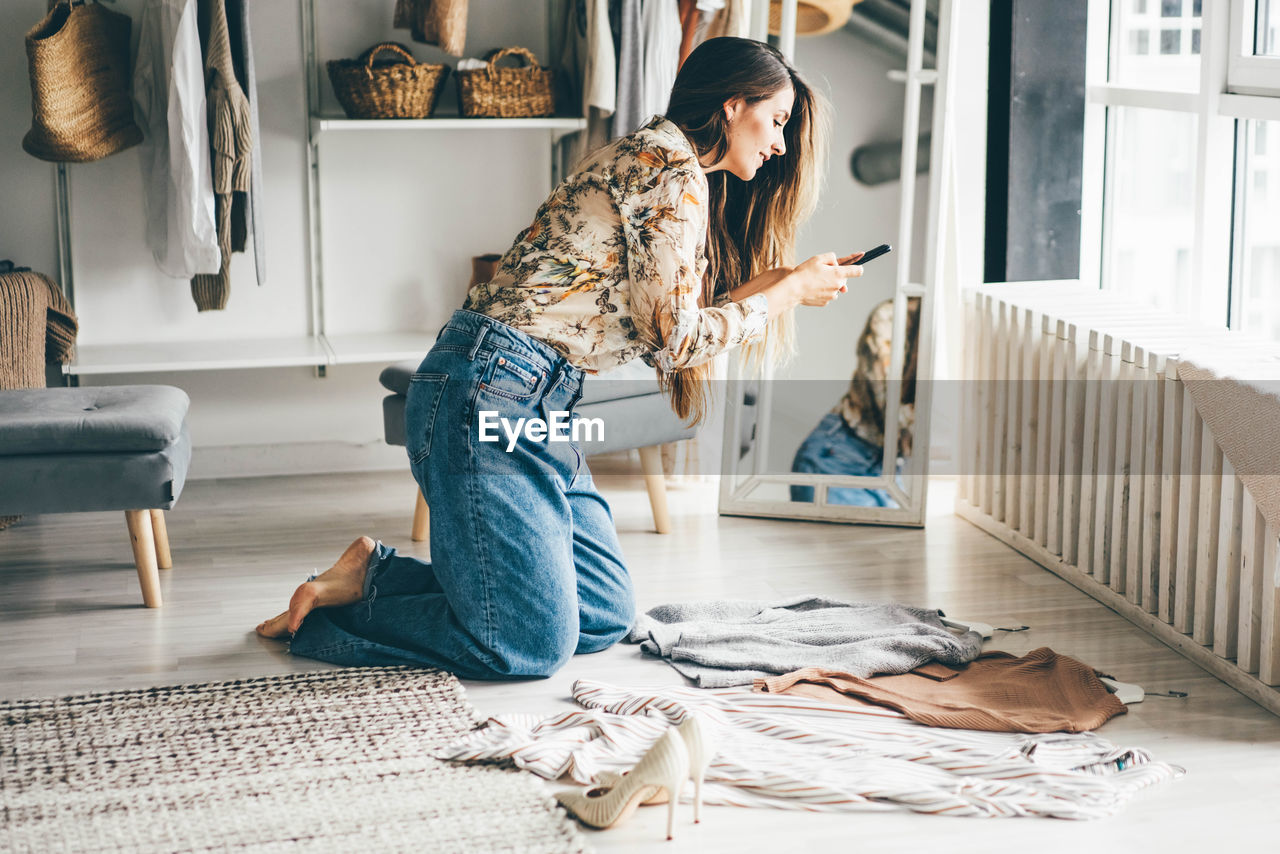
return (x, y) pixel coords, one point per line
(79, 63)
(401, 89)
(507, 92)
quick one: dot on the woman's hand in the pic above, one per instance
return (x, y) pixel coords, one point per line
(820, 279)
(815, 282)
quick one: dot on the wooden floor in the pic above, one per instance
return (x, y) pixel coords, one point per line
(71, 621)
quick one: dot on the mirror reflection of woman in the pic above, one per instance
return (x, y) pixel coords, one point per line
(671, 244)
(850, 438)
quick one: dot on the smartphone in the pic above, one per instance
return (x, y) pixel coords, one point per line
(872, 254)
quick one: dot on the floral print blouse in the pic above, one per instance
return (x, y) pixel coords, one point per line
(611, 267)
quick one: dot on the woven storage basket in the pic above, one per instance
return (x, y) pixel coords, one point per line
(507, 92)
(401, 89)
(78, 58)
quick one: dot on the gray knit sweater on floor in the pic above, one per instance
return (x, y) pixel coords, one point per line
(726, 643)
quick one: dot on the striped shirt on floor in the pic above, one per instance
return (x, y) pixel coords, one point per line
(791, 752)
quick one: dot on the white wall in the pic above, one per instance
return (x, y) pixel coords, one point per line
(403, 214)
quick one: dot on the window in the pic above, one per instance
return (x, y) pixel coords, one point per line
(1266, 39)
(1258, 308)
(1158, 46)
(1254, 47)
(1185, 178)
(1152, 227)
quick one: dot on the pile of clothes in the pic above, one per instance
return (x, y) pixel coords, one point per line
(816, 704)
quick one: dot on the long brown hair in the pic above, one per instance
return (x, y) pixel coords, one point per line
(752, 223)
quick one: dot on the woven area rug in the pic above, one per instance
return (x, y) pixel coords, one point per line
(336, 760)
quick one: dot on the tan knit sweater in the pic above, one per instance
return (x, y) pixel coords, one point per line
(1040, 692)
(231, 144)
(37, 326)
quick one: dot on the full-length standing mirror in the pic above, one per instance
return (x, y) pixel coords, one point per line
(841, 431)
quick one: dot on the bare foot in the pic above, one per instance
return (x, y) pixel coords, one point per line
(342, 584)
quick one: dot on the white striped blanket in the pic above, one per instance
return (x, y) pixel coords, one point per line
(775, 750)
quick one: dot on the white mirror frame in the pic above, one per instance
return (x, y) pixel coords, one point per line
(736, 487)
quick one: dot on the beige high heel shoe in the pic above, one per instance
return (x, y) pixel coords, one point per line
(699, 743)
(701, 749)
(665, 767)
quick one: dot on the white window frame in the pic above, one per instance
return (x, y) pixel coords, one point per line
(1217, 107)
(1247, 73)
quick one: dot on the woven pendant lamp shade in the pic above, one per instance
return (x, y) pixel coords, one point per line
(80, 104)
(813, 17)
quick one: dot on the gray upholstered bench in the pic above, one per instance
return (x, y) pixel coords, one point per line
(635, 413)
(71, 450)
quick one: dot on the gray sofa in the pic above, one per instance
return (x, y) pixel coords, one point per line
(635, 412)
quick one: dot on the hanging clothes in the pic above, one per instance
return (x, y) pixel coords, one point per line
(707, 10)
(242, 61)
(734, 19)
(627, 115)
(690, 21)
(661, 36)
(231, 143)
(168, 90)
(589, 66)
(997, 692)
(590, 42)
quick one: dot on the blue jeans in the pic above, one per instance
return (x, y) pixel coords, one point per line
(525, 566)
(833, 448)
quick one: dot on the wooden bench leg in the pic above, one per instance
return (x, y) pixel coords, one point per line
(144, 555)
(161, 534)
(421, 520)
(656, 481)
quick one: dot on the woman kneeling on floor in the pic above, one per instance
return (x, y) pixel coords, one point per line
(667, 244)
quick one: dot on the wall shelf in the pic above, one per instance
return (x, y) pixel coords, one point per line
(323, 121)
(311, 351)
(326, 124)
(166, 356)
(353, 349)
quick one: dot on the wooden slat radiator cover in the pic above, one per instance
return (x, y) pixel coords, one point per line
(1082, 449)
